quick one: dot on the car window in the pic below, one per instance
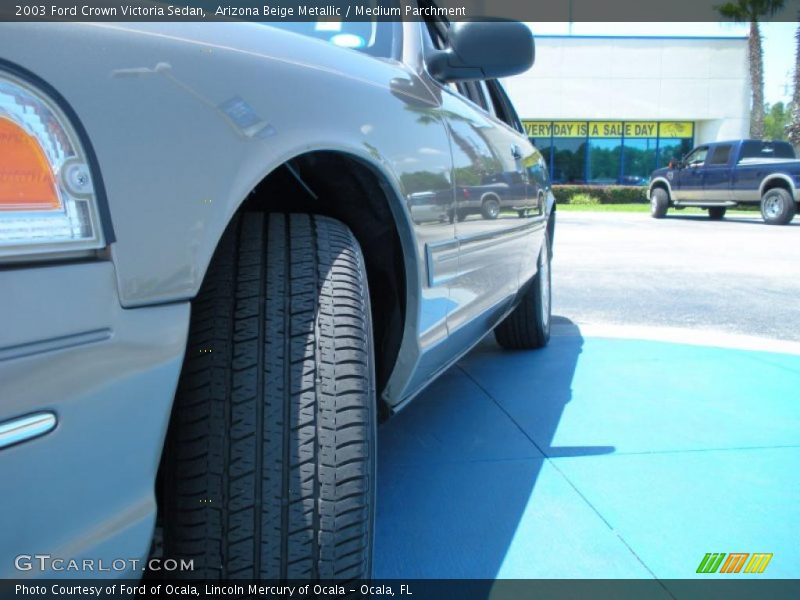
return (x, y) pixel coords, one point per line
(756, 149)
(503, 108)
(720, 155)
(461, 88)
(376, 38)
(437, 35)
(437, 30)
(487, 95)
(697, 156)
(475, 93)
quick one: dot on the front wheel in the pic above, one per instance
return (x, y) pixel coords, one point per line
(269, 467)
(716, 213)
(490, 208)
(777, 207)
(659, 203)
(528, 325)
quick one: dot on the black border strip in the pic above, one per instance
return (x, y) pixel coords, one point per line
(732, 588)
(48, 90)
(282, 11)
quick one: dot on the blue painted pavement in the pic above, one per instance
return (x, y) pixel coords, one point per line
(595, 457)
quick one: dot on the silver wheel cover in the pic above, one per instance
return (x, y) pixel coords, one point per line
(773, 206)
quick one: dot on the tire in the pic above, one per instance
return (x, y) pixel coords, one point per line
(528, 325)
(269, 468)
(659, 203)
(777, 207)
(717, 213)
(490, 208)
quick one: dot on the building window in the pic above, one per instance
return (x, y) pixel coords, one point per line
(604, 160)
(609, 152)
(568, 160)
(672, 148)
(638, 160)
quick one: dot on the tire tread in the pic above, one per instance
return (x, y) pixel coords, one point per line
(270, 457)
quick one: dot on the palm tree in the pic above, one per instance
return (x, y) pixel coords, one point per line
(743, 11)
(793, 128)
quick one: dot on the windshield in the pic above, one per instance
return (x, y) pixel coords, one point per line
(371, 37)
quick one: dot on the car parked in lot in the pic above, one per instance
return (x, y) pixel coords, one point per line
(214, 279)
(724, 174)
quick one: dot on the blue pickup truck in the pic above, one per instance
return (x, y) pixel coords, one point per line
(719, 175)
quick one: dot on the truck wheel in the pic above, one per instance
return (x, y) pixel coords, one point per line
(716, 213)
(659, 203)
(777, 207)
(490, 208)
(528, 325)
(269, 467)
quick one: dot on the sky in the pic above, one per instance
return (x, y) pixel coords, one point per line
(779, 59)
(778, 40)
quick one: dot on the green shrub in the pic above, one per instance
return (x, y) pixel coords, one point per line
(599, 194)
(582, 198)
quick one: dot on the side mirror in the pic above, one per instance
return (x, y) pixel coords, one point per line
(483, 50)
(675, 164)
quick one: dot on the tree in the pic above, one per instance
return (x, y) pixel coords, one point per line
(752, 11)
(776, 121)
(793, 128)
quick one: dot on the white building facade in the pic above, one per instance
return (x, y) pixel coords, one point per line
(609, 110)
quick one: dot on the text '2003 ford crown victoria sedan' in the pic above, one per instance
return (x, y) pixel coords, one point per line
(227, 250)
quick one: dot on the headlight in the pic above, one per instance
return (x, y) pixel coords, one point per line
(47, 197)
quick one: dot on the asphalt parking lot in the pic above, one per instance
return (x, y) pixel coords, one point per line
(736, 275)
(661, 424)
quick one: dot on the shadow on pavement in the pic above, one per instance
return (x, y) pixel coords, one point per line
(457, 472)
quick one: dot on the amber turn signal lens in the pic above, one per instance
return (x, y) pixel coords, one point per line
(26, 180)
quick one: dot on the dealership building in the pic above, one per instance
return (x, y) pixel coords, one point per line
(607, 110)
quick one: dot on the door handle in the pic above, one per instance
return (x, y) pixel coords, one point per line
(516, 152)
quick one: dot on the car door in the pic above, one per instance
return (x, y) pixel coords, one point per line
(717, 176)
(488, 178)
(531, 208)
(499, 215)
(487, 156)
(688, 184)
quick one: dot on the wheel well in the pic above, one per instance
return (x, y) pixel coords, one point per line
(663, 186)
(489, 195)
(776, 182)
(344, 188)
